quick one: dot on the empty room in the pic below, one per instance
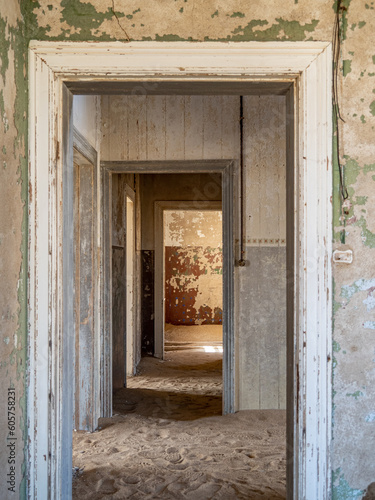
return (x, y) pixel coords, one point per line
(157, 87)
(177, 238)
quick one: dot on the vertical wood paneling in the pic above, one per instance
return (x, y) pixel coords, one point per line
(156, 127)
(252, 169)
(230, 126)
(174, 128)
(266, 136)
(170, 127)
(137, 128)
(85, 295)
(105, 124)
(117, 127)
(264, 156)
(194, 127)
(212, 116)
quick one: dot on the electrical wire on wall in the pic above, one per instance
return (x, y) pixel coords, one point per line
(242, 261)
(341, 11)
(336, 45)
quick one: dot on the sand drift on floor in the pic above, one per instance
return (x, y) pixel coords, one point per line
(168, 439)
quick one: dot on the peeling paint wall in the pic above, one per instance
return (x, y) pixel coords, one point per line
(237, 20)
(13, 245)
(193, 267)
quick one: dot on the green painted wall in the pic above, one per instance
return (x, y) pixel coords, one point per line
(13, 248)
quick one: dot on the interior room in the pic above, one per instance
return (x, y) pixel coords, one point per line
(125, 82)
(167, 260)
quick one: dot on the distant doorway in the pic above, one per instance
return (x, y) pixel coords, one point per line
(189, 271)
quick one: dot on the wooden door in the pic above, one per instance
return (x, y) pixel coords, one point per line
(85, 263)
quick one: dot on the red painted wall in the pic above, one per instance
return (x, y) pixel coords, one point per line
(189, 298)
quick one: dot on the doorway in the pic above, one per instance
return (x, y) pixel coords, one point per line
(192, 278)
(210, 170)
(161, 209)
(303, 71)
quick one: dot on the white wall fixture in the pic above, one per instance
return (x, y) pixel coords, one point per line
(343, 256)
(302, 70)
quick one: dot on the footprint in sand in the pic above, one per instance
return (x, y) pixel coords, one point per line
(248, 453)
(131, 479)
(177, 466)
(151, 454)
(173, 456)
(207, 490)
(106, 486)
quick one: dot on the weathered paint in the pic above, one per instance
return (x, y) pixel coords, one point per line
(193, 285)
(85, 417)
(193, 127)
(13, 236)
(193, 267)
(156, 22)
(342, 490)
(118, 281)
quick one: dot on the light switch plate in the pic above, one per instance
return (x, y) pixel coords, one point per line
(343, 256)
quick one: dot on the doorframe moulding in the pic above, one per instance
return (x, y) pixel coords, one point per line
(56, 67)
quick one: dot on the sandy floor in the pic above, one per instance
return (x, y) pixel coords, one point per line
(193, 333)
(168, 439)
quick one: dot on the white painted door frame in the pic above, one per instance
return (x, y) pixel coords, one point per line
(159, 288)
(54, 67)
(130, 261)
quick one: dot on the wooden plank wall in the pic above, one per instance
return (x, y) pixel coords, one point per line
(85, 294)
(170, 127)
(262, 305)
(207, 127)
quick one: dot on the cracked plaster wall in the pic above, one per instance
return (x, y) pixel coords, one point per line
(193, 267)
(13, 257)
(237, 20)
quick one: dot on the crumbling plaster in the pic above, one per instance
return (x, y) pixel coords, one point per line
(13, 242)
(193, 266)
(354, 371)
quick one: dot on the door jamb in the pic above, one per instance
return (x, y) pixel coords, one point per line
(53, 66)
(227, 168)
